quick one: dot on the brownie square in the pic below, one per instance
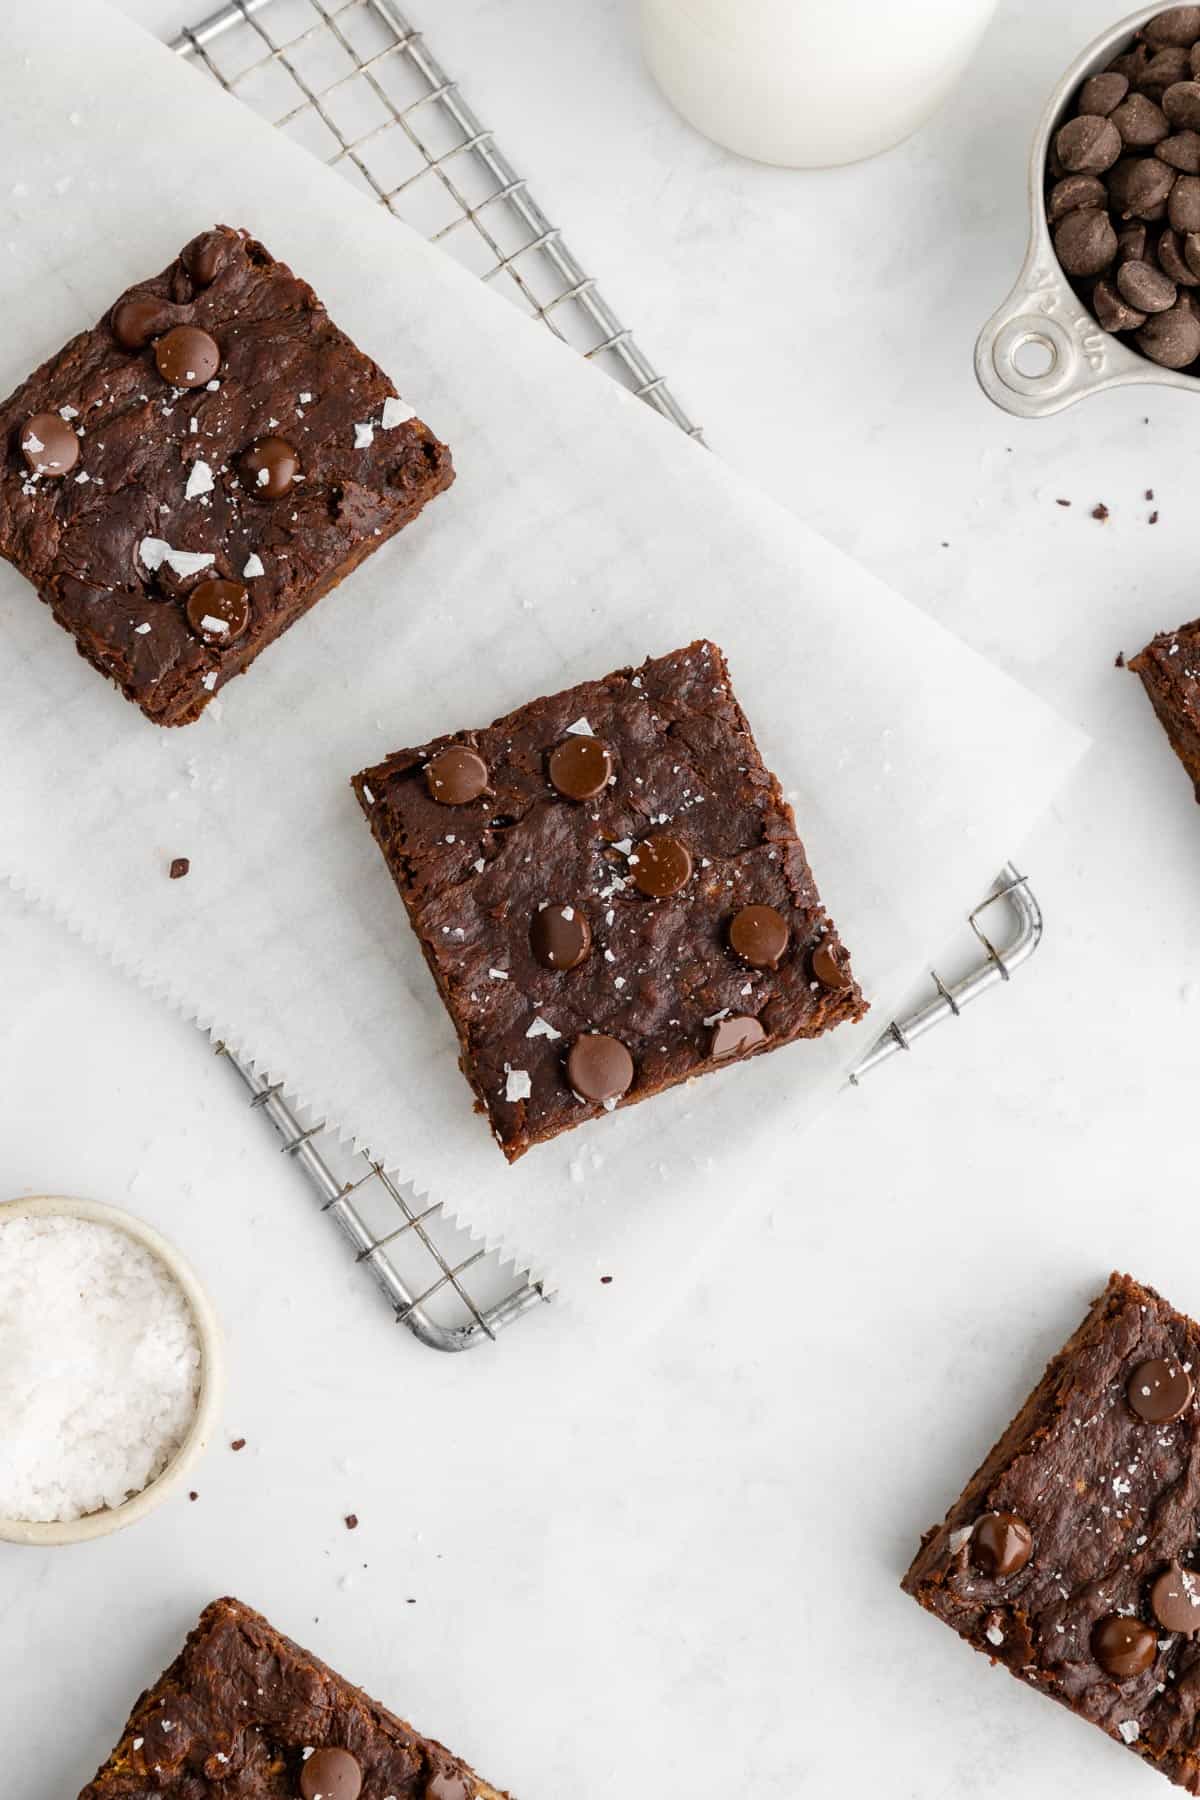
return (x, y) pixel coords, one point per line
(186, 479)
(1071, 1555)
(1169, 668)
(610, 892)
(242, 1710)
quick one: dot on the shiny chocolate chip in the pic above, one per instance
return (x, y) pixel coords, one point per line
(829, 966)
(579, 767)
(138, 319)
(1001, 1544)
(447, 1787)
(730, 1037)
(1175, 1600)
(759, 936)
(331, 1774)
(187, 357)
(560, 937)
(660, 866)
(1123, 1647)
(269, 467)
(48, 444)
(1159, 1391)
(202, 258)
(456, 775)
(599, 1067)
(218, 611)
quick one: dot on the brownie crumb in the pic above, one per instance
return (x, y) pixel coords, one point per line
(351, 1521)
(238, 1444)
(193, 1495)
(1149, 493)
(1100, 512)
(1119, 660)
(1062, 503)
(1153, 519)
(179, 867)
(604, 1280)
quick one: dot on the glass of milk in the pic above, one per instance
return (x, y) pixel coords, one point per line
(809, 83)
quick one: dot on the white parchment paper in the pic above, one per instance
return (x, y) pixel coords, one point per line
(583, 533)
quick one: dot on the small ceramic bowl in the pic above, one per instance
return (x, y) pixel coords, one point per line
(1042, 349)
(115, 1518)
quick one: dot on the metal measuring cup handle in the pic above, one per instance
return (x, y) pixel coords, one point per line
(1071, 355)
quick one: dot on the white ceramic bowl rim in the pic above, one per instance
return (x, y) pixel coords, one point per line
(115, 1518)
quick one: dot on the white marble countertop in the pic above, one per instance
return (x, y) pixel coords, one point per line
(686, 1581)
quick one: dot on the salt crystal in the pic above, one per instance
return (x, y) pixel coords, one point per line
(253, 567)
(99, 1368)
(580, 728)
(154, 552)
(363, 436)
(541, 1028)
(518, 1086)
(395, 413)
(199, 481)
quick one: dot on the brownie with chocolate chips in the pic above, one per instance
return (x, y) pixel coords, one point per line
(609, 890)
(186, 479)
(242, 1710)
(1169, 668)
(1073, 1553)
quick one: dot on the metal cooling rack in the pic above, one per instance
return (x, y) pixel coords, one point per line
(355, 84)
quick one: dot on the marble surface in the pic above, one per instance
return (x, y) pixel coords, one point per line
(673, 1562)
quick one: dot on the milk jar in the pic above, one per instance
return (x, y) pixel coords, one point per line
(809, 83)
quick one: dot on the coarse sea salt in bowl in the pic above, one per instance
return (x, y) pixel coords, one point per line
(110, 1370)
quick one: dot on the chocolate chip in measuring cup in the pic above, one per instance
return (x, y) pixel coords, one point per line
(1166, 67)
(1183, 208)
(1073, 192)
(1140, 122)
(1181, 103)
(1146, 287)
(1085, 241)
(1177, 25)
(1100, 94)
(1181, 151)
(1171, 338)
(1138, 187)
(1088, 145)
(1114, 313)
(1171, 259)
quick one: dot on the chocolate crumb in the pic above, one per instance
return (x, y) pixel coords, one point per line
(410, 1603)
(1153, 519)
(1100, 512)
(193, 1495)
(351, 1521)
(179, 867)
(1149, 493)
(604, 1280)
(238, 1444)
(1062, 503)
(1119, 660)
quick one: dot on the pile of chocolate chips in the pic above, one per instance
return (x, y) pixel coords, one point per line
(1123, 191)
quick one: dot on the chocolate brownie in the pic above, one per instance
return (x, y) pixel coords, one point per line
(610, 892)
(242, 1710)
(1169, 668)
(184, 480)
(1071, 1556)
